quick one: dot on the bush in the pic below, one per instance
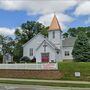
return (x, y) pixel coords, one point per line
(25, 59)
(1, 58)
(33, 60)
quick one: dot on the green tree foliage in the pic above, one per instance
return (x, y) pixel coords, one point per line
(81, 50)
(73, 32)
(7, 44)
(18, 52)
(28, 30)
(65, 35)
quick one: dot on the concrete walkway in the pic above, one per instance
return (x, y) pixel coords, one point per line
(53, 81)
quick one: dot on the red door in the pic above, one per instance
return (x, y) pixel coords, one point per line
(45, 57)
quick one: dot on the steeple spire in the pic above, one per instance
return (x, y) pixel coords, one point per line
(54, 24)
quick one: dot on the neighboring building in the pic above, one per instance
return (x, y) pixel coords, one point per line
(51, 49)
(7, 58)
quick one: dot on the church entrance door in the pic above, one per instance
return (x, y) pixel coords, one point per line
(45, 57)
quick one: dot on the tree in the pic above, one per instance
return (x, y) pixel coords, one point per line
(88, 34)
(7, 45)
(18, 52)
(65, 35)
(81, 49)
(73, 32)
(28, 30)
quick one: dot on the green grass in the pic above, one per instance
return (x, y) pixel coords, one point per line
(45, 83)
(69, 68)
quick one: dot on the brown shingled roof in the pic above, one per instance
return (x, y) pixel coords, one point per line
(54, 24)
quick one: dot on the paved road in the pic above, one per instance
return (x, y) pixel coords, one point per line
(30, 87)
(53, 81)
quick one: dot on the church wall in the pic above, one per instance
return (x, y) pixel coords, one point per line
(33, 44)
(57, 39)
(48, 50)
(70, 52)
(59, 57)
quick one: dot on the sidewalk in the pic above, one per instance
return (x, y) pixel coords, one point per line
(53, 81)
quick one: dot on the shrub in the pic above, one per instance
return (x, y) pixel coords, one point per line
(33, 60)
(24, 59)
(1, 58)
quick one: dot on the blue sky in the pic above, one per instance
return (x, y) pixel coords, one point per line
(70, 13)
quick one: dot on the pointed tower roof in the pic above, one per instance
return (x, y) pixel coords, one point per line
(54, 24)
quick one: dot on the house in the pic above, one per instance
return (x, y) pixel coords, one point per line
(52, 48)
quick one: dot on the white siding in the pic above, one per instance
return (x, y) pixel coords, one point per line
(33, 44)
(48, 50)
(70, 51)
(37, 40)
(57, 39)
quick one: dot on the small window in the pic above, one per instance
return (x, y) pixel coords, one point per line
(53, 34)
(31, 51)
(67, 53)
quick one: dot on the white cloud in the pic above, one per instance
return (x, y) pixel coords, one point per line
(38, 6)
(43, 7)
(7, 31)
(62, 18)
(83, 8)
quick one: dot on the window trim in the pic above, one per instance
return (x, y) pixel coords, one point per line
(67, 53)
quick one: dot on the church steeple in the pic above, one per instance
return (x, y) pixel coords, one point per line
(54, 24)
(55, 33)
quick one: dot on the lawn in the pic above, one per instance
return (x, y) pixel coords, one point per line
(69, 68)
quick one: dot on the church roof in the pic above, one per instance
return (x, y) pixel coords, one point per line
(54, 24)
(68, 42)
(49, 43)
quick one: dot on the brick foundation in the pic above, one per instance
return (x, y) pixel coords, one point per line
(38, 74)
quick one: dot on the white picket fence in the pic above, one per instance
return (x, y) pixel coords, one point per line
(43, 66)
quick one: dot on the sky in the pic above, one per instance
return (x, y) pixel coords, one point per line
(70, 13)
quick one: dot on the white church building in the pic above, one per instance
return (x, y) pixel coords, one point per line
(53, 48)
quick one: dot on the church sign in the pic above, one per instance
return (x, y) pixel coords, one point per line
(77, 74)
(50, 66)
